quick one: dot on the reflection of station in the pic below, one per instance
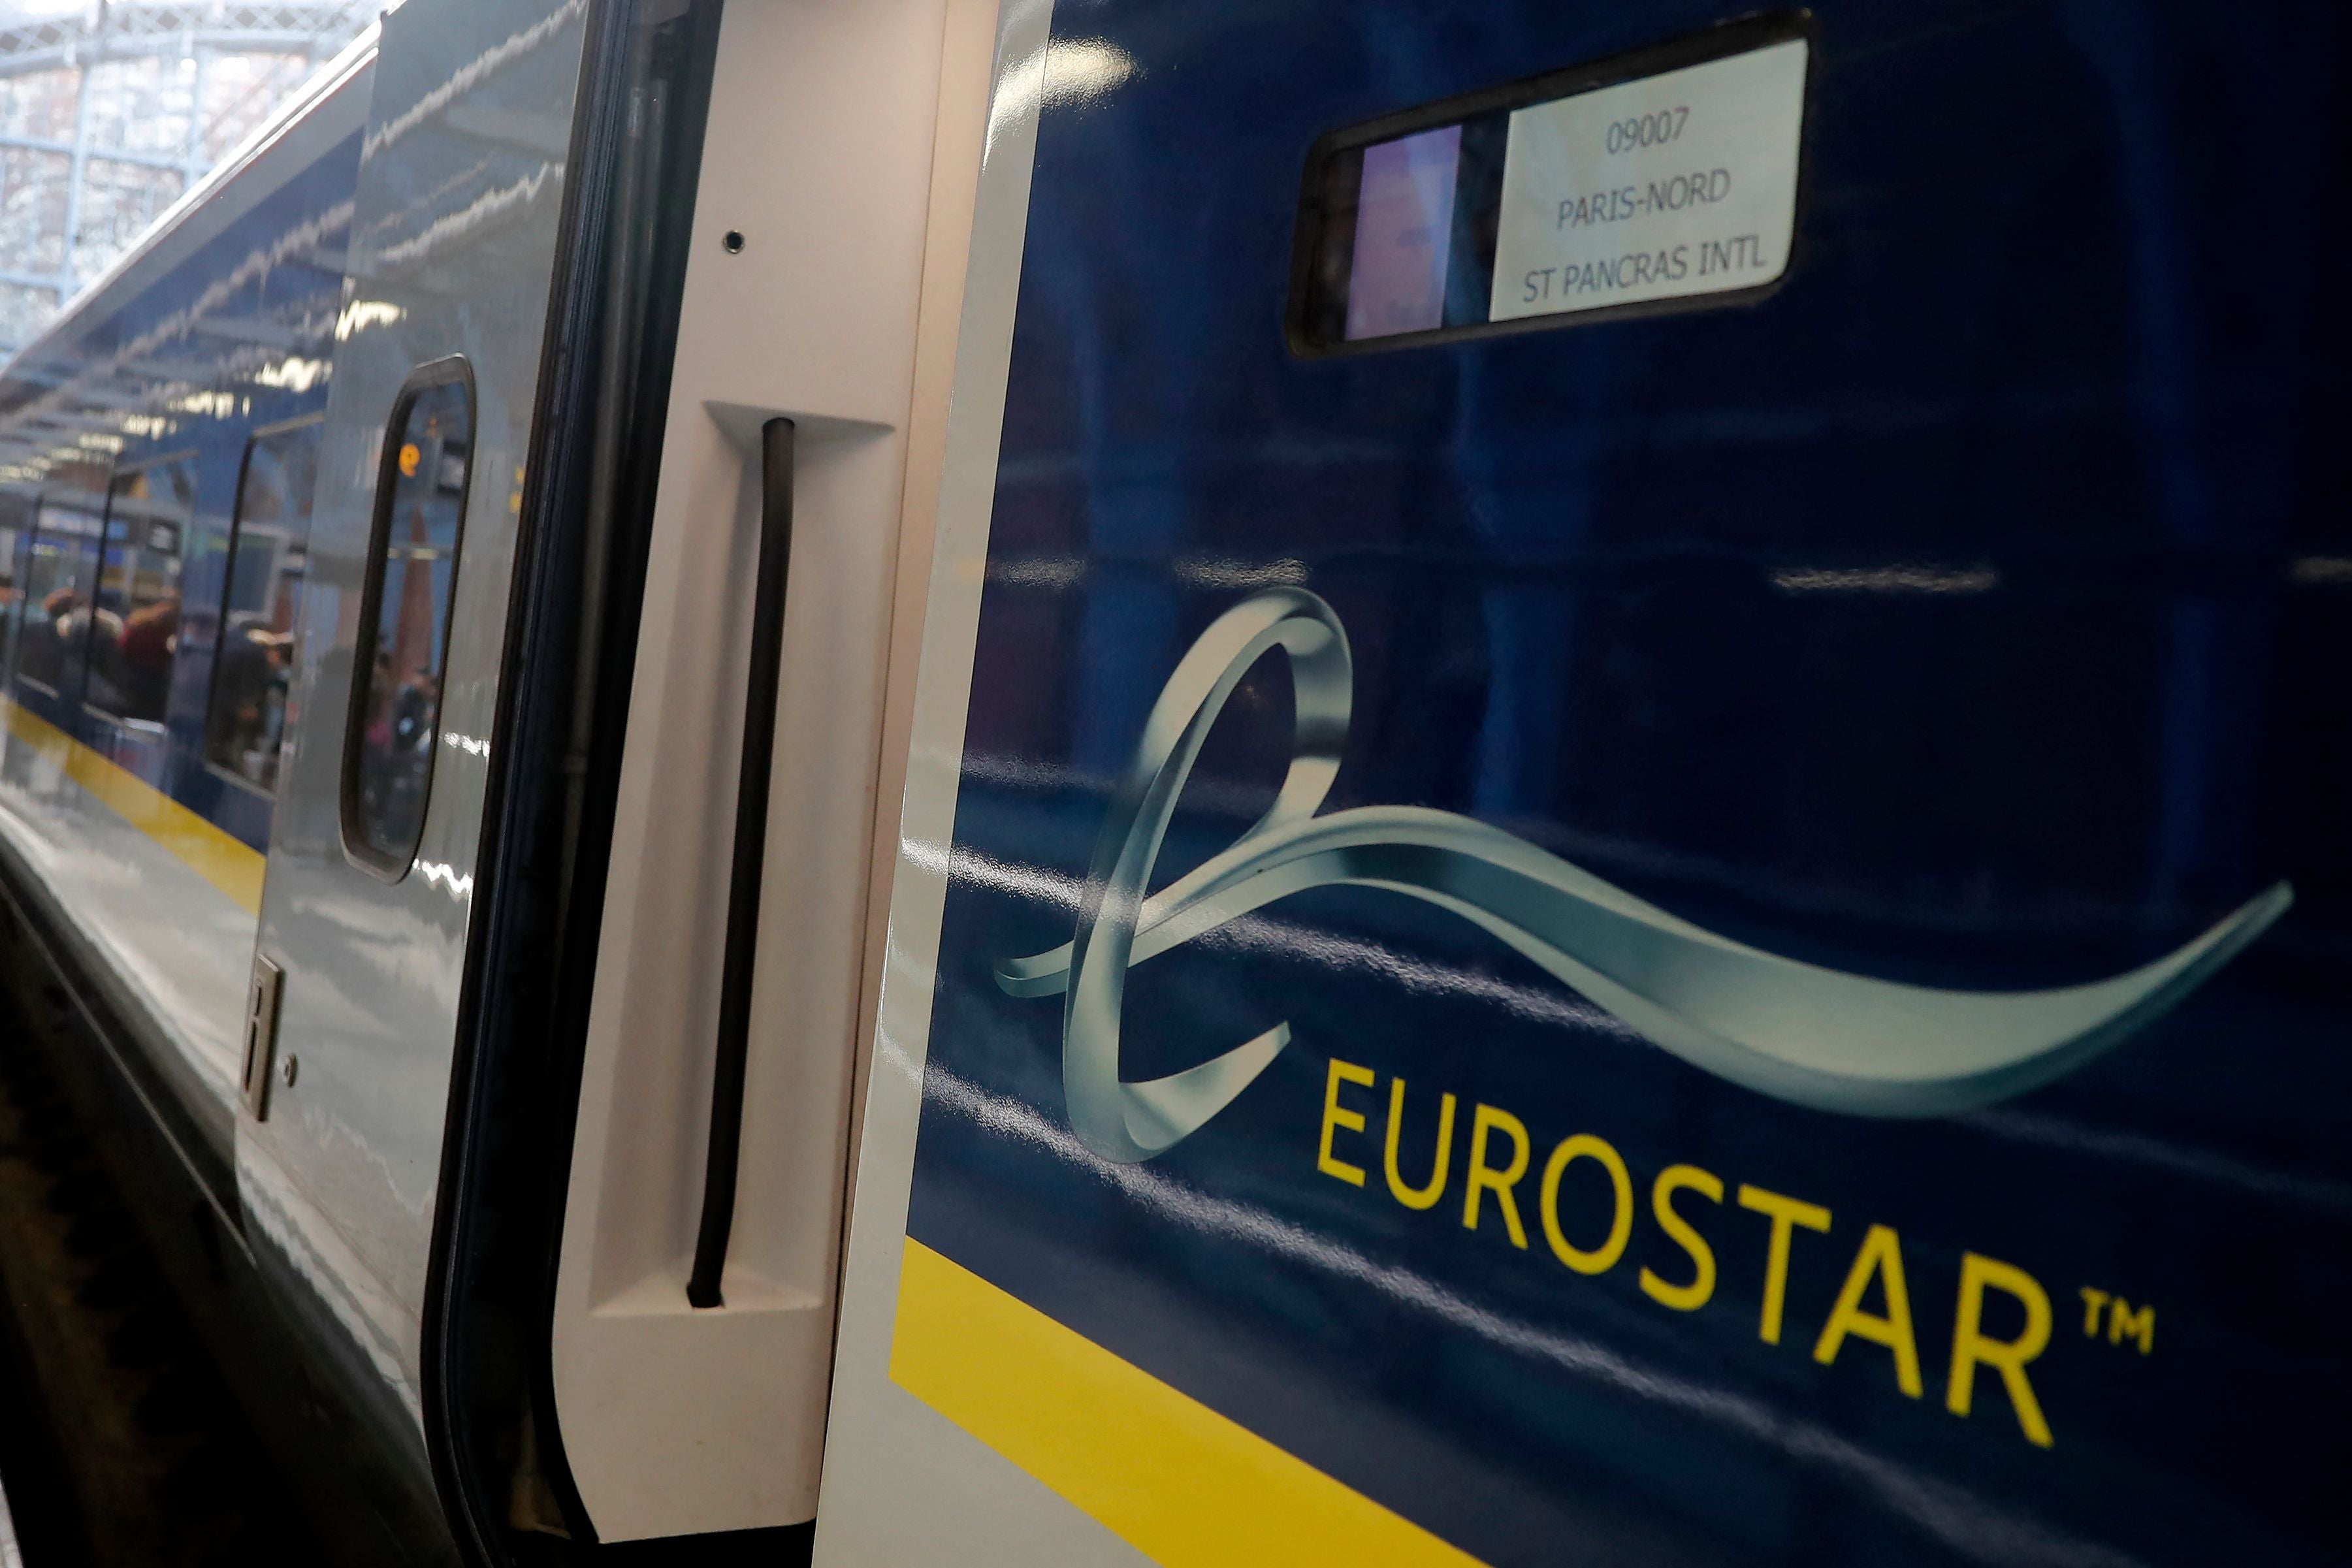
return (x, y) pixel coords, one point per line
(110, 111)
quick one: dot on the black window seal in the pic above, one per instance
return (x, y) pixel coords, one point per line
(488, 1329)
(114, 477)
(253, 438)
(454, 368)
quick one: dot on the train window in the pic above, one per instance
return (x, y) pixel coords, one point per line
(1662, 180)
(53, 583)
(134, 625)
(268, 557)
(403, 634)
(16, 541)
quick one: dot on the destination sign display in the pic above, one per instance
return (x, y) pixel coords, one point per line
(1678, 184)
(1663, 177)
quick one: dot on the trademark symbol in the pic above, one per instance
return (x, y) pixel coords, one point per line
(2121, 1319)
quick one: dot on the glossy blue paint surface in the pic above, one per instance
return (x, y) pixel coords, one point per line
(1972, 613)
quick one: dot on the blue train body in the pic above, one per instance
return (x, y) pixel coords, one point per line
(1950, 617)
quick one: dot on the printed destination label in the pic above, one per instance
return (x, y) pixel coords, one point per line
(1676, 185)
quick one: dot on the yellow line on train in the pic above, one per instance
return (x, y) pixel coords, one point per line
(1184, 1485)
(229, 864)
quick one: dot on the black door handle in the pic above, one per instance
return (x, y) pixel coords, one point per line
(751, 852)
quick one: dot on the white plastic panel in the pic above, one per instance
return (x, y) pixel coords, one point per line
(902, 1483)
(819, 152)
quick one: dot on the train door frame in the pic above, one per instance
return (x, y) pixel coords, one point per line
(636, 147)
(869, 469)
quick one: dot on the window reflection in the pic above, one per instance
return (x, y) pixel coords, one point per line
(134, 629)
(396, 706)
(269, 558)
(56, 567)
(16, 540)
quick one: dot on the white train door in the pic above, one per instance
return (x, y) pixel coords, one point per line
(677, 915)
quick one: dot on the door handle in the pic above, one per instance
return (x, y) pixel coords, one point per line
(261, 998)
(743, 883)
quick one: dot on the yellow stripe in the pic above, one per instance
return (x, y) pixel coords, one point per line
(228, 863)
(1173, 1478)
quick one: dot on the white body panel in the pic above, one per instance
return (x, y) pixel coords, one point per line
(902, 1483)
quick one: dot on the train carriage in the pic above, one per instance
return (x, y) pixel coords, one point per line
(916, 782)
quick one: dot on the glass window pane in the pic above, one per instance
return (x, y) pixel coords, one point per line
(134, 633)
(15, 540)
(56, 568)
(404, 625)
(269, 558)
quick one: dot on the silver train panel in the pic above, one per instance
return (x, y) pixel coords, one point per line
(454, 228)
(174, 947)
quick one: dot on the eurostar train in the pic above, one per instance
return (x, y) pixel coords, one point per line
(1089, 781)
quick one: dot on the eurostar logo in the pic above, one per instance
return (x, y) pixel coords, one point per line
(1793, 1030)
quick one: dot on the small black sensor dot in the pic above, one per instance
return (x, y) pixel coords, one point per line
(733, 242)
